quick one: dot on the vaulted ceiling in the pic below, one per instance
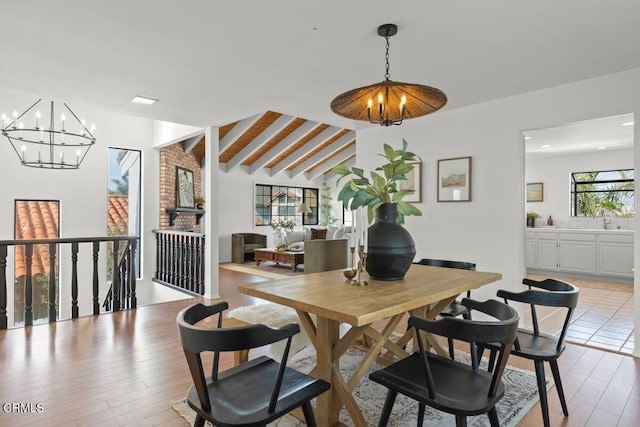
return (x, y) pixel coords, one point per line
(281, 143)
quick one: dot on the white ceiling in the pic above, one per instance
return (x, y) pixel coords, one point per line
(212, 62)
(607, 133)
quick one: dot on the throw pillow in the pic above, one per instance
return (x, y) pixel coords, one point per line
(318, 233)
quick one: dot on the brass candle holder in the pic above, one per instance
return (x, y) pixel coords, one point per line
(361, 263)
(351, 273)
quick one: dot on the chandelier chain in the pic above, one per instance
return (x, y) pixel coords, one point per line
(386, 56)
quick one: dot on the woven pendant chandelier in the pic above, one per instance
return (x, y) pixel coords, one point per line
(388, 103)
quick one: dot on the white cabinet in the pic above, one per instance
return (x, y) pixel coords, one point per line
(547, 251)
(530, 249)
(589, 252)
(615, 255)
(577, 252)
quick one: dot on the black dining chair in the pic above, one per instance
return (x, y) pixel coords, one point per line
(454, 386)
(254, 393)
(454, 309)
(535, 345)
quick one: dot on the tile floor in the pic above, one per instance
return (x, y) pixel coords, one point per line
(603, 318)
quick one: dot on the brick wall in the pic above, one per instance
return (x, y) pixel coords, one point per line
(170, 157)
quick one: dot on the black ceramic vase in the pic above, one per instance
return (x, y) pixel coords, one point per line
(391, 248)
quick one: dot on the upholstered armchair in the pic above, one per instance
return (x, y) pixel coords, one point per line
(244, 244)
(323, 255)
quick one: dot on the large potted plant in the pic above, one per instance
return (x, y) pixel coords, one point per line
(390, 249)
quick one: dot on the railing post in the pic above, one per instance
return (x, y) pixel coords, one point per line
(53, 315)
(96, 281)
(132, 274)
(115, 286)
(28, 286)
(3, 286)
(74, 280)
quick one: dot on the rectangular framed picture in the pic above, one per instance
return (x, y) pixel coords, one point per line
(185, 196)
(413, 182)
(454, 180)
(535, 192)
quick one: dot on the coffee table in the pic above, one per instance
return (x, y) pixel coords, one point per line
(287, 257)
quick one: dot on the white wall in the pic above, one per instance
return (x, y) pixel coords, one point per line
(555, 173)
(489, 230)
(83, 193)
(236, 200)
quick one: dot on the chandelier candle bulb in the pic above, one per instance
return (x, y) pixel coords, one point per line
(4, 119)
(24, 149)
(38, 115)
(63, 118)
(15, 118)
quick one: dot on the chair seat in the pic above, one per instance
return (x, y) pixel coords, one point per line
(542, 346)
(250, 247)
(241, 394)
(459, 389)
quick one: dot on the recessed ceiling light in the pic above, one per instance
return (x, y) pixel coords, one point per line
(601, 148)
(527, 137)
(143, 100)
(627, 124)
(545, 146)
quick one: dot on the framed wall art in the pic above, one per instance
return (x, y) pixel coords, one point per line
(185, 196)
(413, 182)
(454, 180)
(535, 192)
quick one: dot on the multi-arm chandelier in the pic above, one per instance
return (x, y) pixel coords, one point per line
(388, 103)
(49, 147)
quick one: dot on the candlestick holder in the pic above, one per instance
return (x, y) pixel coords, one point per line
(361, 263)
(351, 272)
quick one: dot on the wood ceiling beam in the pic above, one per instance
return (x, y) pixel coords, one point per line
(320, 139)
(264, 137)
(283, 145)
(345, 157)
(323, 154)
(238, 130)
(190, 143)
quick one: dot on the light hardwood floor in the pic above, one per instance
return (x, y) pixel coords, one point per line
(126, 369)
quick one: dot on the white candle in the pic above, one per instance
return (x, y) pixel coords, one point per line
(352, 235)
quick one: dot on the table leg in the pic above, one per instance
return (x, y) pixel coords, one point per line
(328, 404)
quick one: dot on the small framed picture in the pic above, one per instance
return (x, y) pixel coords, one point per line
(535, 192)
(185, 196)
(414, 183)
(454, 180)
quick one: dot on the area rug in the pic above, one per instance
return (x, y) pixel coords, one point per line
(520, 396)
(275, 316)
(265, 269)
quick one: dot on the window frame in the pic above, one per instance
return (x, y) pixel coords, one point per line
(307, 196)
(595, 181)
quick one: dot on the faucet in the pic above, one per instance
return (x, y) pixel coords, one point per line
(605, 220)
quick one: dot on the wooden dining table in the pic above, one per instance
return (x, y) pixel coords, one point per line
(424, 291)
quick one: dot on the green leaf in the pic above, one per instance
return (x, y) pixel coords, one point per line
(397, 197)
(408, 209)
(358, 172)
(341, 170)
(361, 198)
(378, 181)
(389, 152)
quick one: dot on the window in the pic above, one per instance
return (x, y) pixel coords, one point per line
(124, 203)
(592, 192)
(36, 219)
(275, 202)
